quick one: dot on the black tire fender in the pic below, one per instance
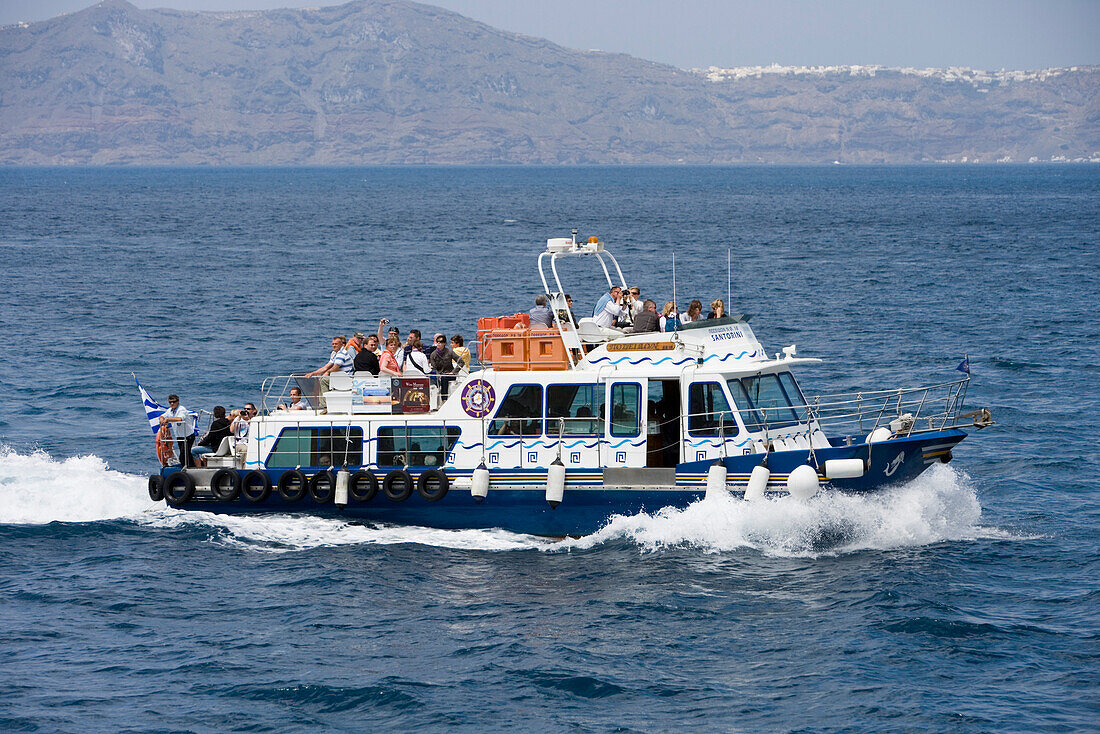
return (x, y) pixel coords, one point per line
(156, 487)
(362, 486)
(293, 485)
(432, 484)
(225, 485)
(322, 487)
(256, 486)
(179, 488)
(398, 485)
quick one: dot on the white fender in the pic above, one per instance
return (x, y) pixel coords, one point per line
(879, 434)
(802, 482)
(843, 468)
(758, 482)
(555, 483)
(479, 482)
(716, 478)
(342, 478)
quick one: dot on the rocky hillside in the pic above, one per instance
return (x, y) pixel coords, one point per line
(388, 81)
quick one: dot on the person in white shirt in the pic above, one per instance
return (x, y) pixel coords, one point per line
(296, 402)
(612, 311)
(340, 360)
(182, 425)
(634, 302)
(411, 359)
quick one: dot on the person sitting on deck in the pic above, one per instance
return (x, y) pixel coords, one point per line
(694, 312)
(442, 359)
(565, 315)
(647, 320)
(670, 319)
(412, 359)
(338, 343)
(387, 363)
(296, 402)
(633, 302)
(463, 353)
(717, 309)
(541, 316)
(367, 359)
(211, 441)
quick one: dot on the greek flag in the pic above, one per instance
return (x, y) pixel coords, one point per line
(154, 410)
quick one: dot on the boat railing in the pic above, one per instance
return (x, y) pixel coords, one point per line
(905, 411)
(407, 394)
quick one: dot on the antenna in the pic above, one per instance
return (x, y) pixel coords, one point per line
(729, 280)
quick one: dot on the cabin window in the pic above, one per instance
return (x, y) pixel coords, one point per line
(768, 397)
(575, 410)
(708, 410)
(415, 445)
(794, 395)
(626, 401)
(323, 447)
(751, 417)
(520, 412)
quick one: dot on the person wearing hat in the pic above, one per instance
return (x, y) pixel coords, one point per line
(392, 332)
(356, 343)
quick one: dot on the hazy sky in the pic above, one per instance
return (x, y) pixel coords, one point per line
(983, 34)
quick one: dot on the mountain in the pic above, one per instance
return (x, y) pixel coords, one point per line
(389, 81)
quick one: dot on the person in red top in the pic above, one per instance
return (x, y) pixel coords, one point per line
(387, 363)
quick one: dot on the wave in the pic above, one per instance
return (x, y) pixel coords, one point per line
(36, 489)
(941, 505)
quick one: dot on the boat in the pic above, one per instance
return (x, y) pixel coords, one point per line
(554, 431)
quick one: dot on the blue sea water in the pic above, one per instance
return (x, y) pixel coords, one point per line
(965, 601)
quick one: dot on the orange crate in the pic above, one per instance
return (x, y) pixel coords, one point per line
(488, 324)
(546, 351)
(510, 349)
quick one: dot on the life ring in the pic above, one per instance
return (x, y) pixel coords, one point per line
(322, 487)
(256, 486)
(293, 485)
(362, 486)
(156, 487)
(225, 485)
(398, 485)
(164, 446)
(433, 484)
(179, 488)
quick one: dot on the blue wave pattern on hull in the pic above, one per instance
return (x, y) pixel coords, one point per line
(971, 590)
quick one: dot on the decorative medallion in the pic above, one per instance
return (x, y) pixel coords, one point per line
(478, 398)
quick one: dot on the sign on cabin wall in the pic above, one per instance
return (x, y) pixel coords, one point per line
(410, 395)
(371, 395)
(641, 347)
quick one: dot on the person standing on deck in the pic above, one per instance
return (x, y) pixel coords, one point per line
(182, 426)
(612, 310)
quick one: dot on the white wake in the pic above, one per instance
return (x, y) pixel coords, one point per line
(941, 505)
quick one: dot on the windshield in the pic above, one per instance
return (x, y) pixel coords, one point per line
(762, 399)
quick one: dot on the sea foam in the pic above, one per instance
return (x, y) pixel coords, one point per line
(36, 489)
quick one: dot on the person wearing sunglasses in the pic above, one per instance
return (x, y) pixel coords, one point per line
(182, 425)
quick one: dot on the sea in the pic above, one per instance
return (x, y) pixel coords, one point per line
(967, 600)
